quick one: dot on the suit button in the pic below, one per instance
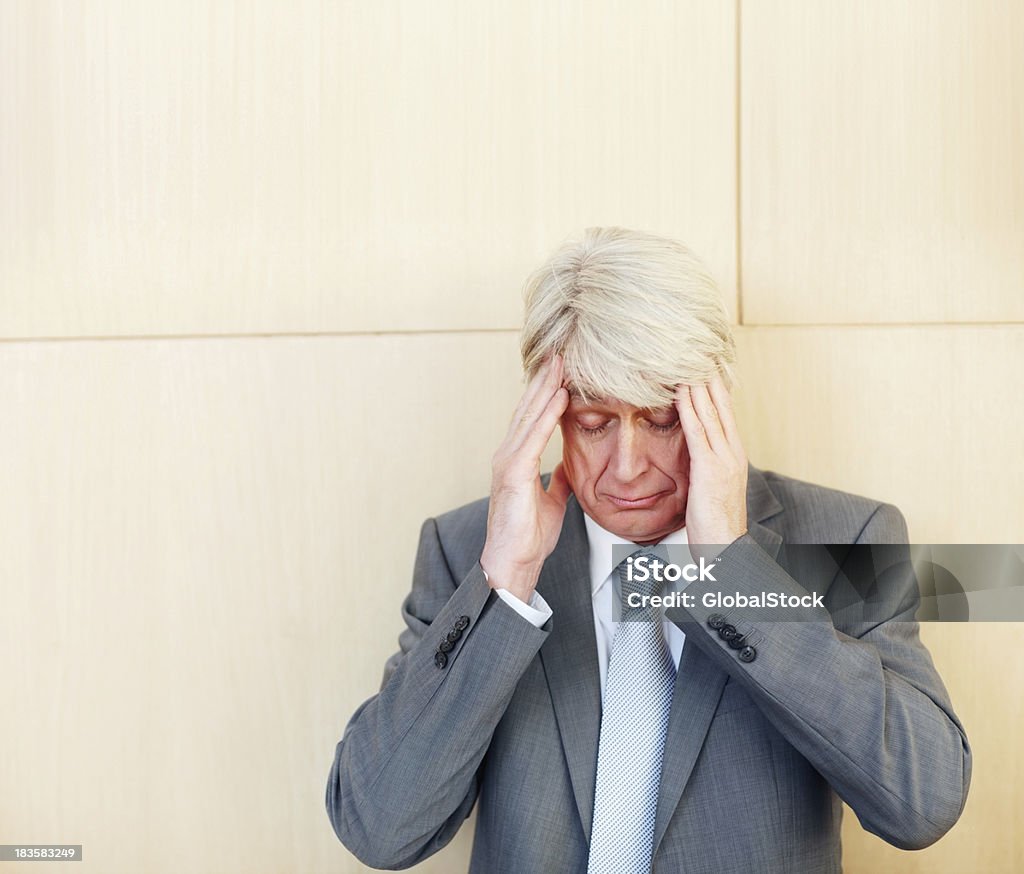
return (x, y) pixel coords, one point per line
(446, 645)
(748, 654)
(736, 642)
(441, 660)
(716, 620)
(453, 635)
(462, 623)
(728, 632)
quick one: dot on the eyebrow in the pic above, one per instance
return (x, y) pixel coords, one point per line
(599, 404)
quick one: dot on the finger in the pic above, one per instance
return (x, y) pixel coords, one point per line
(533, 388)
(723, 403)
(558, 485)
(539, 394)
(693, 428)
(512, 437)
(708, 414)
(536, 437)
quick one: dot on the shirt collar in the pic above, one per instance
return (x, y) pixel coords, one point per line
(601, 542)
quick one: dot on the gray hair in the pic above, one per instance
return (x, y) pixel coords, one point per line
(632, 314)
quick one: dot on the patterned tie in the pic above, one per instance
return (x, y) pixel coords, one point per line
(634, 722)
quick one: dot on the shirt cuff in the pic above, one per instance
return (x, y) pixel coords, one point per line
(537, 612)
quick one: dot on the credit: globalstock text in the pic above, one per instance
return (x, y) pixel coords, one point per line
(643, 568)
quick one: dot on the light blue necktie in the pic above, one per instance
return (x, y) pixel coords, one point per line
(634, 722)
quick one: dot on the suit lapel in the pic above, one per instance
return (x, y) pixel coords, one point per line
(699, 681)
(569, 657)
(698, 687)
(761, 505)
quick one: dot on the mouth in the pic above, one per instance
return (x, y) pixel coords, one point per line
(636, 503)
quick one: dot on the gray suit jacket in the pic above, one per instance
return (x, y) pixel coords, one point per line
(846, 704)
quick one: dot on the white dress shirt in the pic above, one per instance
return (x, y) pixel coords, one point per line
(604, 588)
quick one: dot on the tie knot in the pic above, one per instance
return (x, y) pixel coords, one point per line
(641, 576)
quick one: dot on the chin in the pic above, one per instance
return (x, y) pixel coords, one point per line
(638, 526)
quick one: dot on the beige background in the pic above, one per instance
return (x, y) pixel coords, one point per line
(260, 266)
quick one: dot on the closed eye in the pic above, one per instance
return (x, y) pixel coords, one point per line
(665, 427)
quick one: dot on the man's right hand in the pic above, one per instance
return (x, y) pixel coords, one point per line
(523, 520)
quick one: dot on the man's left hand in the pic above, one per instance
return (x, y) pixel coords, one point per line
(716, 507)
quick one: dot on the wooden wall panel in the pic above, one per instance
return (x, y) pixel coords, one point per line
(203, 549)
(920, 416)
(881, 178)
(264, 167)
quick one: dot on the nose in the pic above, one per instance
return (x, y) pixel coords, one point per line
(629, 458)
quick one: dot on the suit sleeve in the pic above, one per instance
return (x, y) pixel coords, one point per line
(864, 705)
(404, 776)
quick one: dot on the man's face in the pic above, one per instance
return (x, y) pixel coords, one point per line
(628, 467)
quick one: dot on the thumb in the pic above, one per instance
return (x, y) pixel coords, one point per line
(559, 487)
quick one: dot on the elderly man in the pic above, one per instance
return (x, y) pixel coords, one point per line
(596, 729)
